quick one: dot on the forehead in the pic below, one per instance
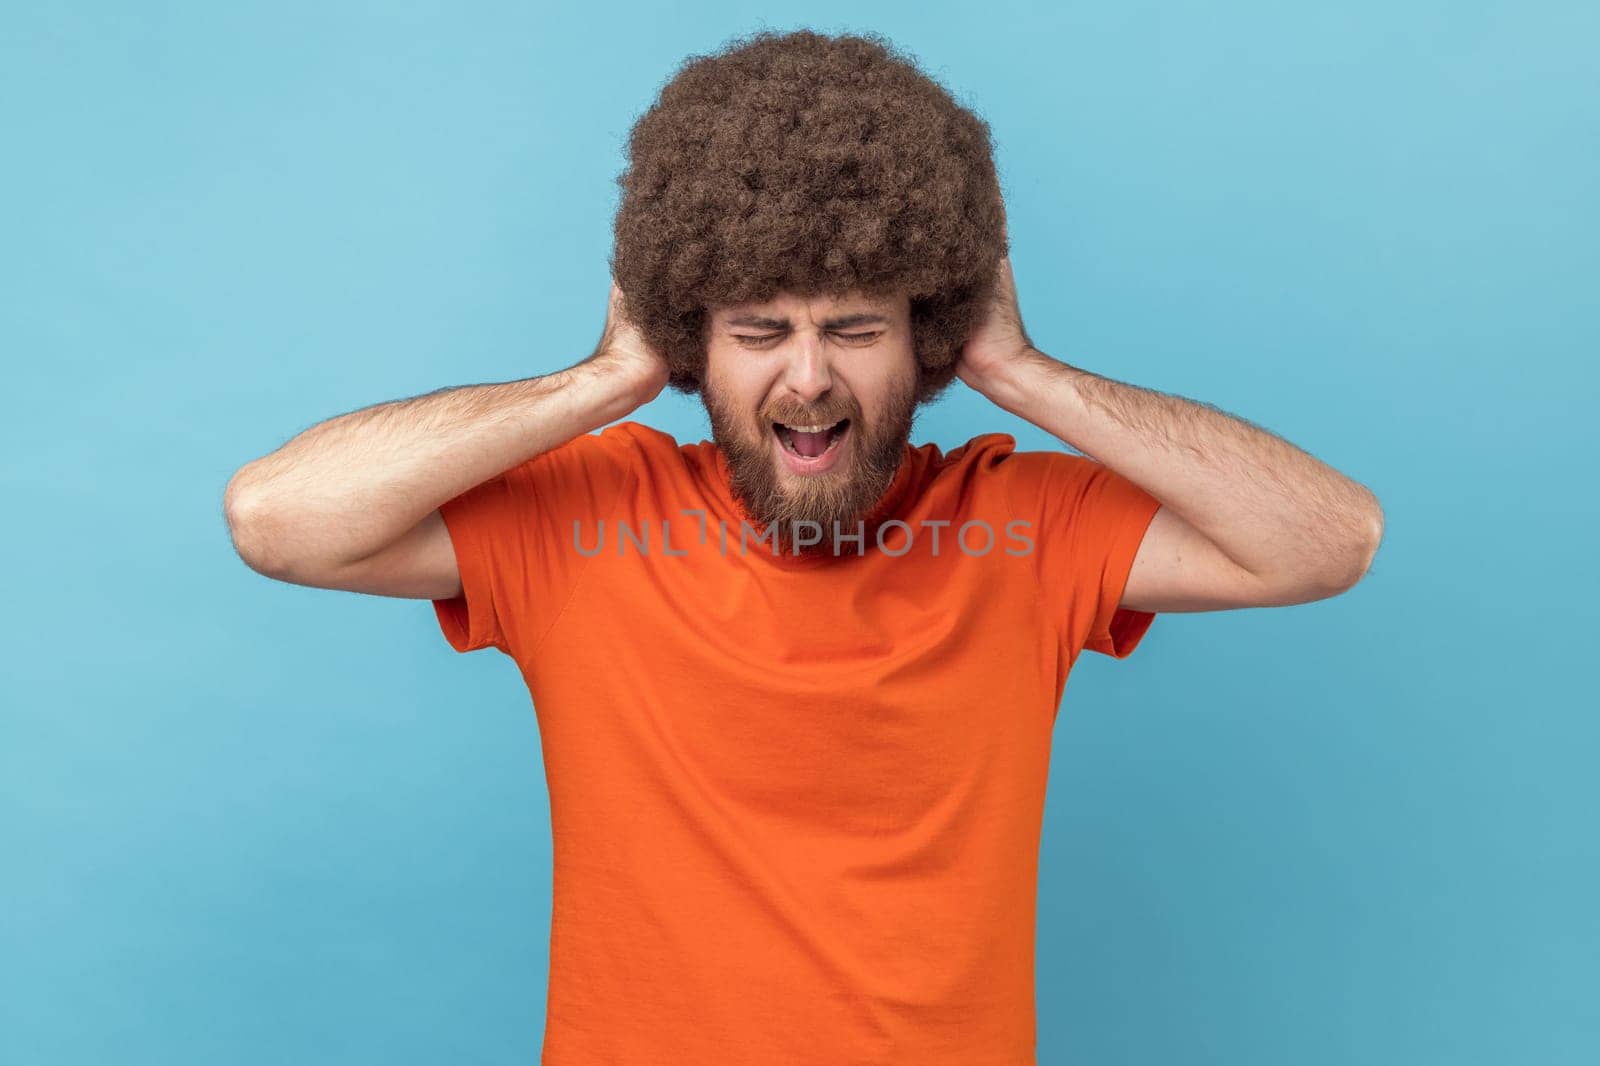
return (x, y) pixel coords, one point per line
(786, 308)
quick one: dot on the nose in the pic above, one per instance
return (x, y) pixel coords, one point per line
(806, 372)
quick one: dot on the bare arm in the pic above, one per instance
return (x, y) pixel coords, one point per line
(352, 502)
(1246, 519)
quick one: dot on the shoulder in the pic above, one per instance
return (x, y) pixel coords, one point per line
(609, 456)
(999, 452)
(993, 457)
(653, 457)
(625, 444)
(1027, 482)
(639, 435)
(984, 450)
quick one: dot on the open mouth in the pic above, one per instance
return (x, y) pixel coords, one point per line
(811, 442)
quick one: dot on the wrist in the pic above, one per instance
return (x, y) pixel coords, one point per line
(606, 392)
(1020, 380)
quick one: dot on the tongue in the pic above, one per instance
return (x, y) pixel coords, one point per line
(810, 445)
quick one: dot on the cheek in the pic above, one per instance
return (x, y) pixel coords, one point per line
(737, 401)
(883, 375)
(883, 389)
(741, 393)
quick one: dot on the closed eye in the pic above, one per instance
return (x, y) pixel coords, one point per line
(853, 338)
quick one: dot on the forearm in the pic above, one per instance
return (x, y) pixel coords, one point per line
(1273, 509)
(352, 485)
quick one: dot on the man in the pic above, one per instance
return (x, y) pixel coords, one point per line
(796, 684)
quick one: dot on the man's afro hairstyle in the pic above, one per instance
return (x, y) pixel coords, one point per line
(807, 164)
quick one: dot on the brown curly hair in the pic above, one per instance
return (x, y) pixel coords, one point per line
(807, 164)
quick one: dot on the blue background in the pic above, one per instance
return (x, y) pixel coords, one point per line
(247, 822)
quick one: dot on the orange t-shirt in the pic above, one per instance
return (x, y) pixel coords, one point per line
(796, 803)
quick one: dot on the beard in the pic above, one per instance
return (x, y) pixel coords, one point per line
(844, 494)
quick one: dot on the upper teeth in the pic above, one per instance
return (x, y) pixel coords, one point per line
(808, 429)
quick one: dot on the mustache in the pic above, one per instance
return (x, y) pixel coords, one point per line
(804, 418)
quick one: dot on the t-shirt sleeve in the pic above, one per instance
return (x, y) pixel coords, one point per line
(1087, 522)
(513, 541)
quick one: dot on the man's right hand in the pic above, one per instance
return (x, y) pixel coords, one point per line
(623, 350)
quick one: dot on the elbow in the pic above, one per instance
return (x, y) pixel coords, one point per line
(1374, 537)
(1356, 560)
(249, 519)
(1330, 567)
(1371, 537)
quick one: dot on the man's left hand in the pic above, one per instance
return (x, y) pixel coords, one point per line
(999, 347)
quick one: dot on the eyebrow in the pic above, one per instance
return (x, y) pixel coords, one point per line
(863, 318)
